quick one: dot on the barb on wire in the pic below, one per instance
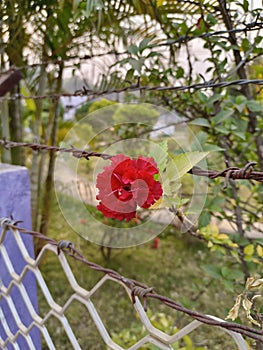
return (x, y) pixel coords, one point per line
(65, 245)
(136, 87)
(141, 293)
(77, 153)
(234, 173)
(247, 27)
(137, 288)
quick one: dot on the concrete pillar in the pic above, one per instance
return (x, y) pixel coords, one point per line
(15, 201)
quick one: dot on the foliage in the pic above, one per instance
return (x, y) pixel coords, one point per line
(131, 120)
(92, 106)
(128, 337)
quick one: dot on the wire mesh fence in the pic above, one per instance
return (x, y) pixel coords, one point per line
(137, 293)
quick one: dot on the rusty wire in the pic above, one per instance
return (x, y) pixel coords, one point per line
(234, 173)
(78, 153)
(247, 27)
(85, 92)
(137, 288)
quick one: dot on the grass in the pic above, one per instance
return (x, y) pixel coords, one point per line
(175, 270)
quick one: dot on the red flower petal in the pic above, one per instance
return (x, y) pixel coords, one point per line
(126, 183)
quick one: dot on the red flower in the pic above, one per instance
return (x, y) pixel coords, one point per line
(126, 184)
(156, 243)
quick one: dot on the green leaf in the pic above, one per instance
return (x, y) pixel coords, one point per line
(225, 271)
(211, 19)
(245, 5)
(240, 103)
(200, 122)
(222, 115)
(124, 61)
(159, 152)
(184, 28)
(133, 49)
(222, 130)
(241, 135)
(144, 43)
(245, 44)
(129, 75)
(136, 64)
(214, 98)
(216, 203)
(75, 5)
(154, 54)
(254, 106)
(179, 73)
(229, 285)
(240, 99)
(212, 148)
(213, 271)
(204, 219)
(235, 274)
(181, 164)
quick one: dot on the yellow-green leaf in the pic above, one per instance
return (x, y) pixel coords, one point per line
(181, 164)
(222, 236)
(159, 152)
(249, 249)
(159, 2)
(260, 251)
(30, 103)
(158, 204)
(213, 230)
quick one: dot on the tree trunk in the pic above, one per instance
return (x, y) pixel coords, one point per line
(35, 158)
(6, 153)
(47, 199)
(16, 128)
(4, 115)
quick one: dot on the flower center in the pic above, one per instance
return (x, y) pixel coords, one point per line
(127, 187)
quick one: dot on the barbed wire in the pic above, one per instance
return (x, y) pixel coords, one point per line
(137, 288)
(234, 173)
(247, 27)
(78, 153)
(137, 87)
